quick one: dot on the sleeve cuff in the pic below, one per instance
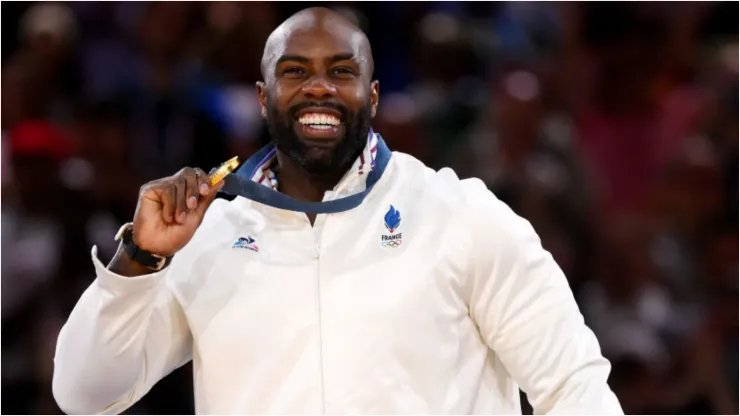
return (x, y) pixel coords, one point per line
(117, 283)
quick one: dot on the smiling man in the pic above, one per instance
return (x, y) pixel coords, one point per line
(340, 278)
(319, 99)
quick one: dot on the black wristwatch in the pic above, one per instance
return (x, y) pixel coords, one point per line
(143, 257)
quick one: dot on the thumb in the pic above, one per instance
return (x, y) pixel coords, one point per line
(208, 199)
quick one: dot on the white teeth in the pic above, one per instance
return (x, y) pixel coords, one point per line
(315, 119)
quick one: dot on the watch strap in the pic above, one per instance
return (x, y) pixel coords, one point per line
(135, 253)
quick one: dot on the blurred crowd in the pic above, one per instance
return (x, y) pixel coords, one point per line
(612, 127)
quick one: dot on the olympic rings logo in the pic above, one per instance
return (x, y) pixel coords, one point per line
(392, 243)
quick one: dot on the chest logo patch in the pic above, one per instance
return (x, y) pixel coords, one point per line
(392, 222)
(247, 243)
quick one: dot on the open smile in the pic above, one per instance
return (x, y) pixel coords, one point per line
(319, 124)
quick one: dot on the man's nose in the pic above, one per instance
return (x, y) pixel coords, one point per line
(319, 88)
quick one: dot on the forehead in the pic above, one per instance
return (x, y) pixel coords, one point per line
(315, 40)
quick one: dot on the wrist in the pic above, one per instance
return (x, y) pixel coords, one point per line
(152, 261)
(124, 265)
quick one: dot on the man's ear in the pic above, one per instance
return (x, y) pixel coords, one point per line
(262, 96)
(374, 97)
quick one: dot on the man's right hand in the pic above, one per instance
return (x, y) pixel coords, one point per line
(171, 209)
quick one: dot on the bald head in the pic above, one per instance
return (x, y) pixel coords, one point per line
(318, 96)
(307, 29)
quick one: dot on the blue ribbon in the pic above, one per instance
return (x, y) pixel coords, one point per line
(240, 183)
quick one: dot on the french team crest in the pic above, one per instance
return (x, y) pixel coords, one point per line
(392, 222)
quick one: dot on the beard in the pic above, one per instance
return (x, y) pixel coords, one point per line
(320, 161)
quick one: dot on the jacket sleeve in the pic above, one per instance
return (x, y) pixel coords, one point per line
(123, 336)
(526, 313)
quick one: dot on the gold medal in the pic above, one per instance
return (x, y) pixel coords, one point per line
(223, 170)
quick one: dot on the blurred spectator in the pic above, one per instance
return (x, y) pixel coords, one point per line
(38, 230)
(32, 234)
(48, 36)
(526, 151)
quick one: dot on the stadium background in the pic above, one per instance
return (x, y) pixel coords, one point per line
(613, 128)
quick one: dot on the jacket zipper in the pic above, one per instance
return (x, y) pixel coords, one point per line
(321, 331)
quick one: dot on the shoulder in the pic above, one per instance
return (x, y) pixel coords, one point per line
(482, 212)
(469, 195)
(444, 183)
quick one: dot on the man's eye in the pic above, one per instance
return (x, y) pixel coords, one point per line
(343, 71)
(293, 71)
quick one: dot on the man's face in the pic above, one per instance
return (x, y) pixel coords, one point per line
(318, 97)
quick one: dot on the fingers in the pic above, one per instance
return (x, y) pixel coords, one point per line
(185, 192)
(189, 192)
(168, 196)
(204, 182)
(201, 192)
(192, 193)
(181, 208)
(160, 194)
(209, 198)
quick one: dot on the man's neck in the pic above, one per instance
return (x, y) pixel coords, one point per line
(296, 182)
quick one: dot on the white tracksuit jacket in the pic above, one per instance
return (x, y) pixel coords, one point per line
(449, 313)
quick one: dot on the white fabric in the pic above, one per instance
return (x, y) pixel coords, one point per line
(326, 320)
